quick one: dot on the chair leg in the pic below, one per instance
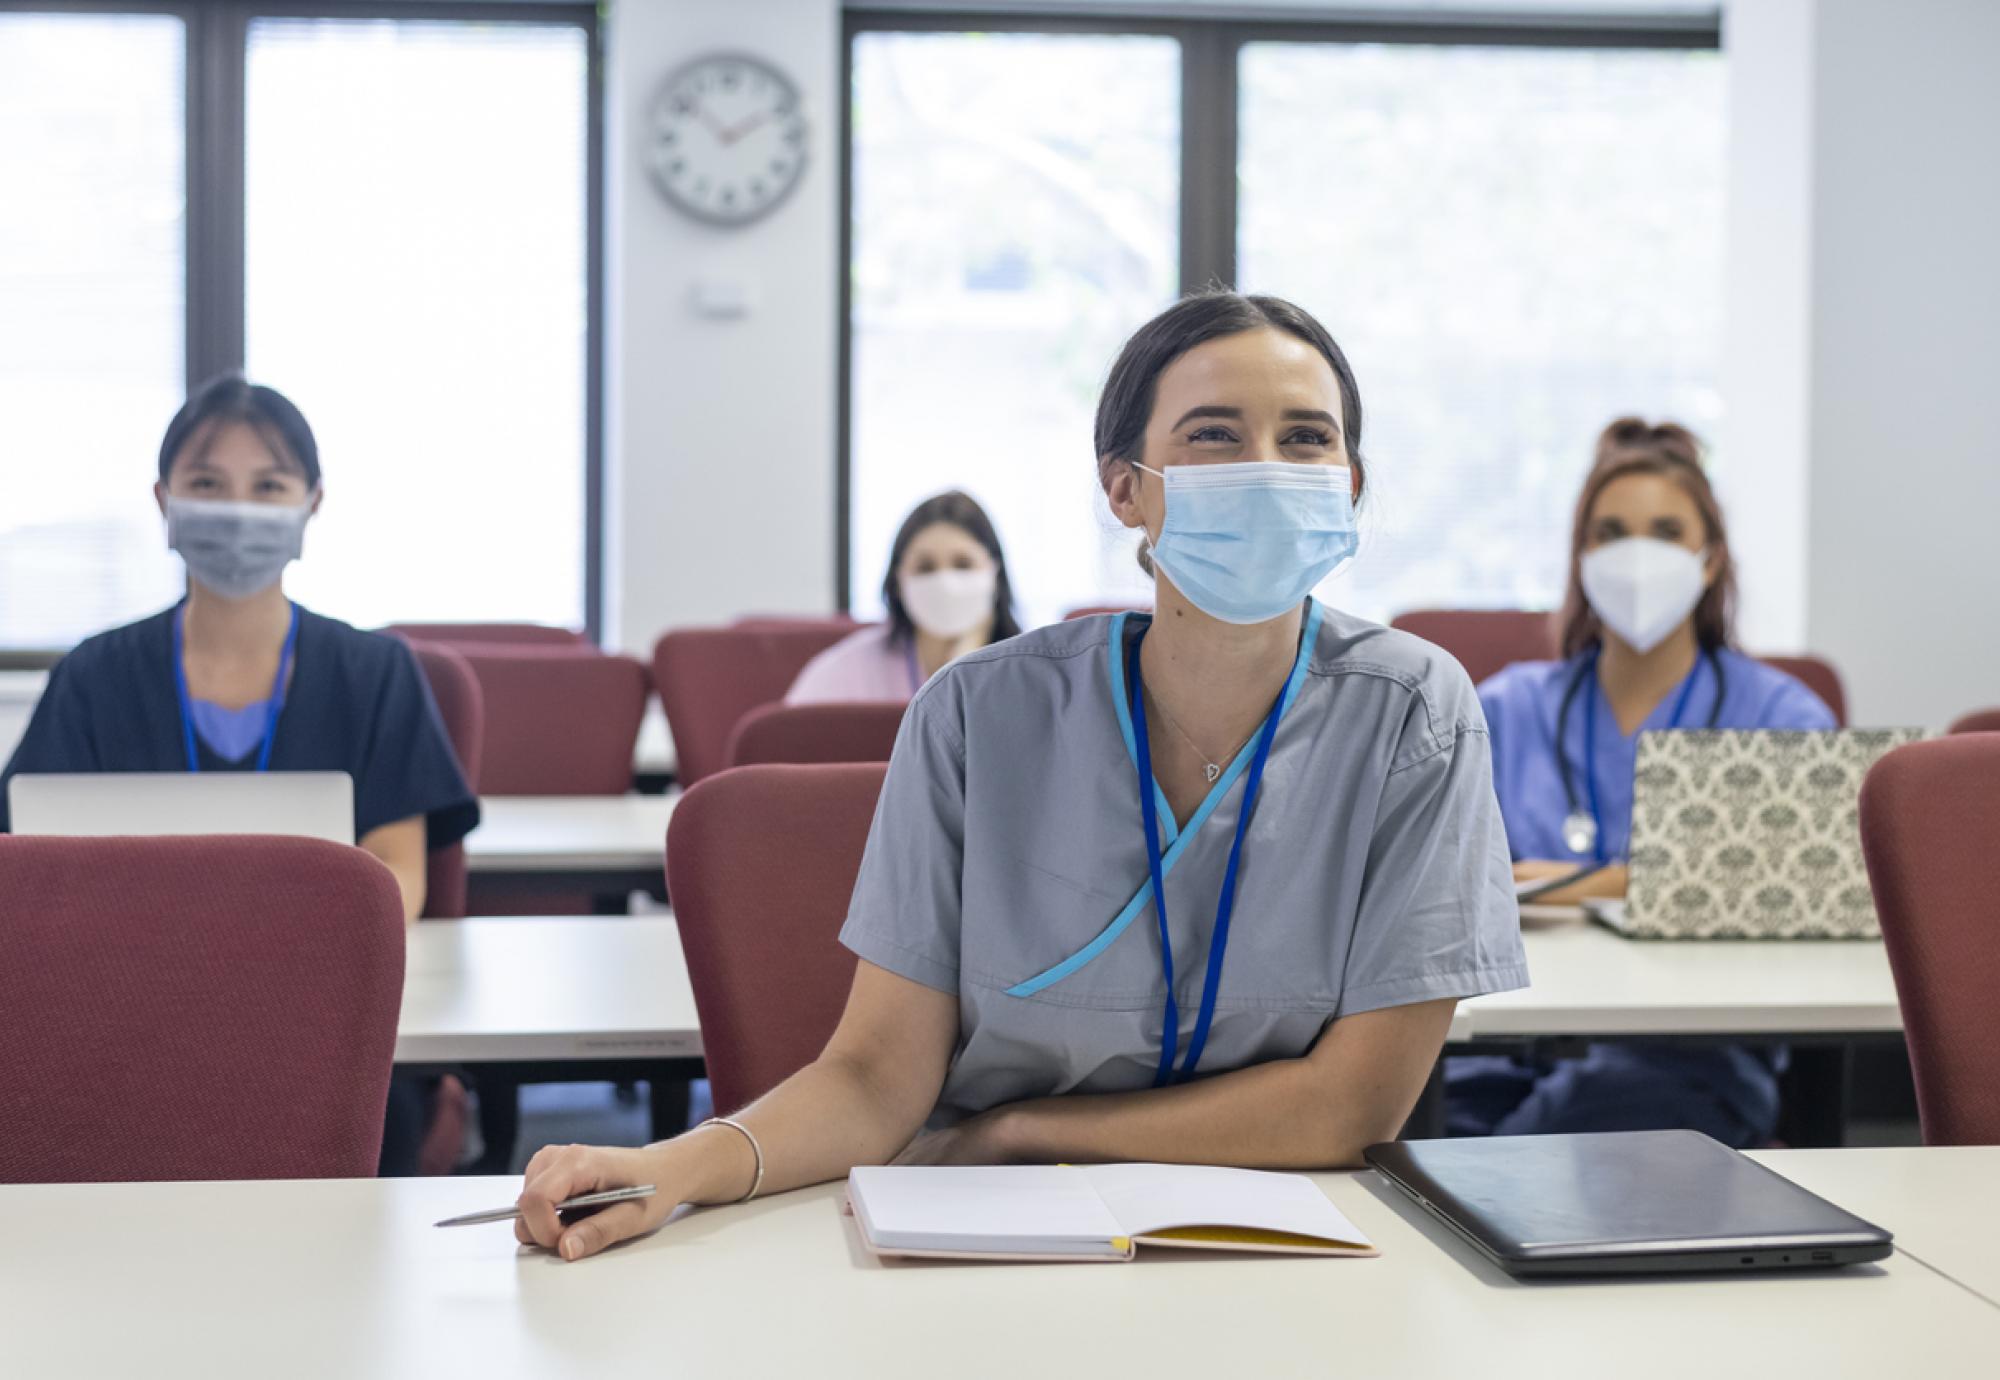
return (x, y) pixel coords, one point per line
(669, 1107)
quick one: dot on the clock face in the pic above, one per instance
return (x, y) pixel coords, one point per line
(726, 138)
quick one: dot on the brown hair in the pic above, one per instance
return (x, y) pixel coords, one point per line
(1632, 446)
(1126, 405)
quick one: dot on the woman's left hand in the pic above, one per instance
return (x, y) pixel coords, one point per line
(976, 1140)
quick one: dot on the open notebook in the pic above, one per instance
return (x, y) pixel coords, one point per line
(1093, 1212)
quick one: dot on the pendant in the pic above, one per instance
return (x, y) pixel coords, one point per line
(1579, 832)
(1211, 770)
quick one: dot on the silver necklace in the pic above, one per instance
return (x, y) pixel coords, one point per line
(1209, 769)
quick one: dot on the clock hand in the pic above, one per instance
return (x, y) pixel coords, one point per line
(735, 132)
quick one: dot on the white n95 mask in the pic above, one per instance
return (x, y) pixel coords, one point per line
(236, 549)
(949, 603)
(1643, 588)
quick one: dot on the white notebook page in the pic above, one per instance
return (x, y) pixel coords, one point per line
(996, 1209)
(1152, 1197)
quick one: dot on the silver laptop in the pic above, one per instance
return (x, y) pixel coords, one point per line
(1750, 834)
(304, 804)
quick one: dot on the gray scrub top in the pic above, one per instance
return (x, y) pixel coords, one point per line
(1007, 862)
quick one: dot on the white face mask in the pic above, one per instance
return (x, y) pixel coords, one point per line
(949, 603)
(1643, 588)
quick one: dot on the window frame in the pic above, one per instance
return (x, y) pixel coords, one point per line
(1211, 52)
(217, 58)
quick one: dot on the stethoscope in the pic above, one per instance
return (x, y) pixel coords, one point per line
(1581, 831)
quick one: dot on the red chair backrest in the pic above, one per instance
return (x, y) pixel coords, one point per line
(797, 620)
(761, 862)
(1484, 640)
(862, 732)
(709, 678)
(1978, 721)
(1930, 818)
(513, 634)
(1819, 677)
(195, 1008)
(456, 690)
(558, 721)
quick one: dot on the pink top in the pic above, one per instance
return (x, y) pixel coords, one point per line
(864, 665)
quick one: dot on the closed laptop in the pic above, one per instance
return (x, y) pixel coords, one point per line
(1624, 1202)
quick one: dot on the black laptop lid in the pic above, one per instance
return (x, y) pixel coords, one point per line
(1617, 1196)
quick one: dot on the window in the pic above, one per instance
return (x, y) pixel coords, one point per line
(1514, 246)
(407, 253)
(415, 282)
(1014, 212)
(1515, 234)
(92, 228)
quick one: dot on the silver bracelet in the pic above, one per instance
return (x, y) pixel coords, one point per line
(755, 1149)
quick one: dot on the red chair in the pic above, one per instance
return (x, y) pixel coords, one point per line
(709, 678)
(195, 1008)
(1484, 640)
(862, 732)
(515, 634)
(1819, 677)
(1979, 721)
(761, 862)
(456, 690)
(559, 721)
(797, 620)
(1930, 813)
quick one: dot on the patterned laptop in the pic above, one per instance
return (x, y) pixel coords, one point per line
(1750, 834)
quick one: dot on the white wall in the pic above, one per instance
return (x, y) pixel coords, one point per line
(1763, 447)
(1904, 529)
(719, 434)
(1864, 317)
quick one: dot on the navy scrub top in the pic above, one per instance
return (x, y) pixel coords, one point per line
(357, 703)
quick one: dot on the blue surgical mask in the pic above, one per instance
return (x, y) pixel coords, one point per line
(1248, 542)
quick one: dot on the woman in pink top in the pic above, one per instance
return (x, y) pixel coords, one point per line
(947, 593)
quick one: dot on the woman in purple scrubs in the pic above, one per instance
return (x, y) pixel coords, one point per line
(1647, 645)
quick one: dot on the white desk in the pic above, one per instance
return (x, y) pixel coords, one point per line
(559, 836)
(349, 1279)
(1943, 1204)
(1589, 981)
(569, 989)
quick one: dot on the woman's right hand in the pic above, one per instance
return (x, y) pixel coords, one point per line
(560, 1172)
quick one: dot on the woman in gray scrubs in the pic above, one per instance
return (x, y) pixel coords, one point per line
(1317, 808)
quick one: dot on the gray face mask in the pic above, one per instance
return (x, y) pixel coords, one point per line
(236, 549)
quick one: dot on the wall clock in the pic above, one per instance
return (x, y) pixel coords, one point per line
(726, 138)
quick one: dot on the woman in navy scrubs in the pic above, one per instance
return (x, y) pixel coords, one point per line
(236, 677)
(1646, 637)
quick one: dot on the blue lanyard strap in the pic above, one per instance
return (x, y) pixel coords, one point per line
(277, 691)
(1590, 739)
(1170, 1030)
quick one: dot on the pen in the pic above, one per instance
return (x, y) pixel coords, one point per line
(588, 1200)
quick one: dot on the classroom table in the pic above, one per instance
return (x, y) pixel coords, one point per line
(348, 1278)
(566, 998)
(610, 844)
(1827, 1000)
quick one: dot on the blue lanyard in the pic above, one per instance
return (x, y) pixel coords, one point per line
(1170, 1031)
(910, 660)
(277, 691)
(1590, 741)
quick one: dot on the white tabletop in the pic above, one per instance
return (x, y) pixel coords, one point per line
(1587, 980)
(350, 1279)
(1943, 1205)
(587, 833)
(573, 987)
